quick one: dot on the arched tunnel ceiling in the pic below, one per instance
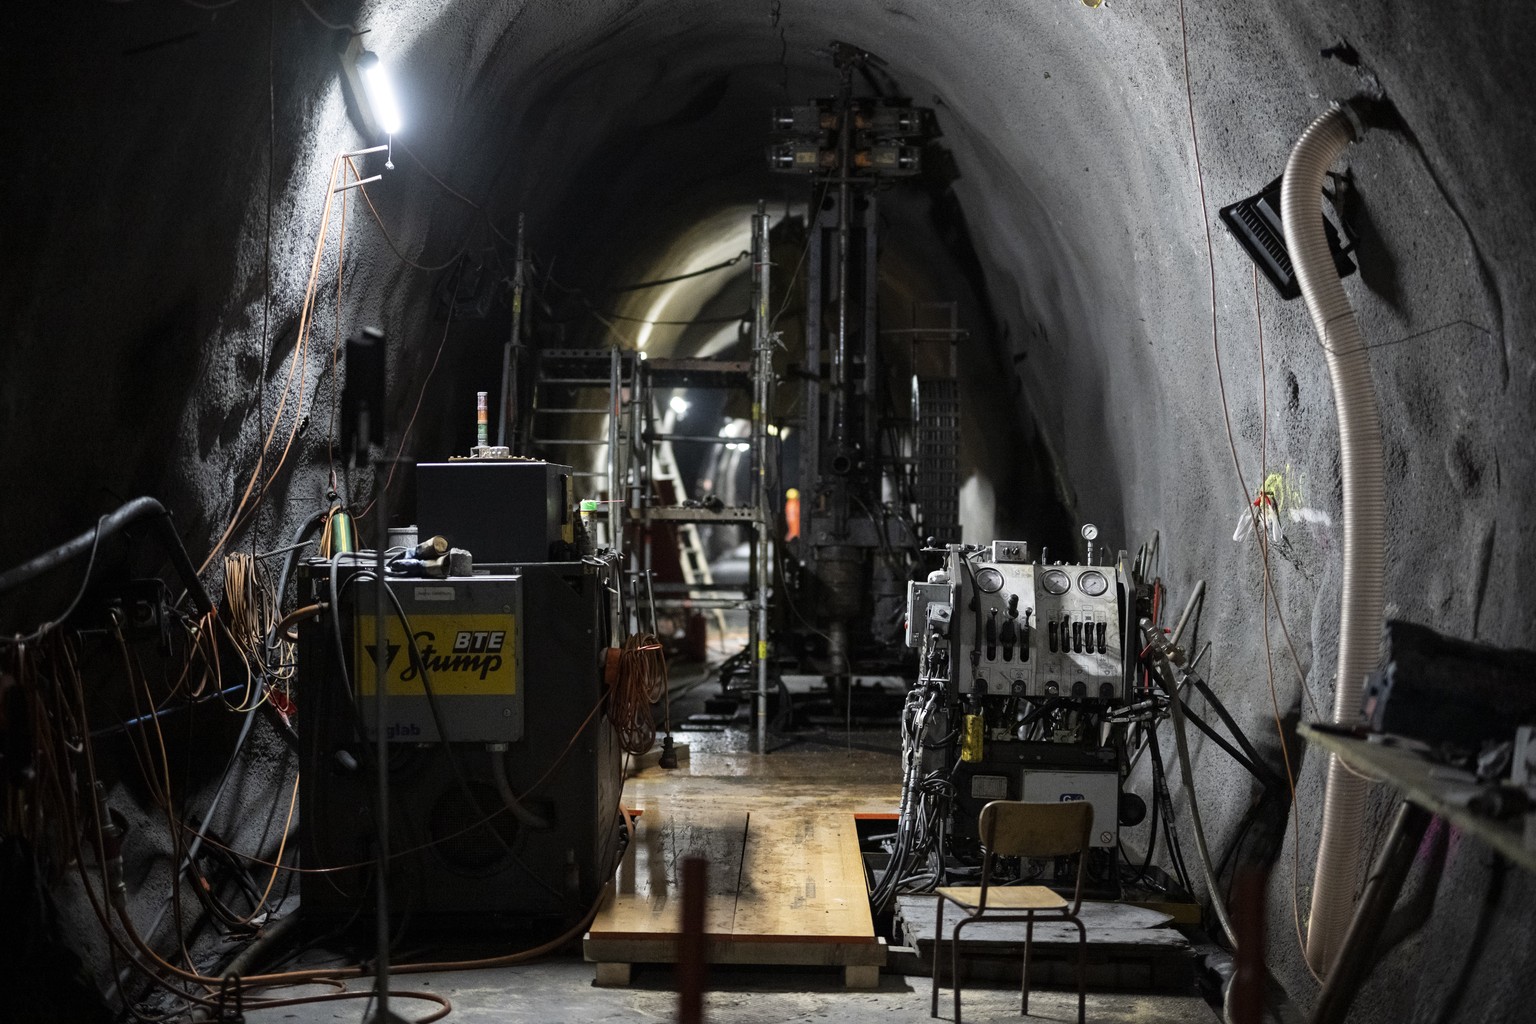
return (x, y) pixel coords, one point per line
(1075, 237)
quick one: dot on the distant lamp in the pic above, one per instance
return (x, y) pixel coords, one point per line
(678, 405)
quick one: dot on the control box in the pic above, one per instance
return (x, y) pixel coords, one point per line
(921, 597)
(503, 511)
(1101, 789)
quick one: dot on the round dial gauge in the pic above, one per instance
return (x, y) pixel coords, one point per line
(989, 580)
(1093, 583)
(1090, 532)
(1055, 581)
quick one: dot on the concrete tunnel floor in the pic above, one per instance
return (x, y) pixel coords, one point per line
(560, 991)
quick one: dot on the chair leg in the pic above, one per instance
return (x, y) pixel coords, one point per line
(1082, 970)
(954, 963)
(1029, 937)
(938, 948)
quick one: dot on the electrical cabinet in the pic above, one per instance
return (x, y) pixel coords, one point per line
(509, 817)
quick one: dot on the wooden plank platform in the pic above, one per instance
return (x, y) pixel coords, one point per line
(786, 879)
(1128, 946)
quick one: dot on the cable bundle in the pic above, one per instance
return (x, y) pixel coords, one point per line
(639, 681)
(917, 850)
(251, 608)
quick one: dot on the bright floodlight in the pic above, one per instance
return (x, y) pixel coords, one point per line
(381, 94)
(679, 405)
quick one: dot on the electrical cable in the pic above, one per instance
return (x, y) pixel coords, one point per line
(1236, 463)
(389, 240)
(420, 397)
(241, 515)
(640, 680)
(162, 795)
(117, 902)
(298, 615)
(334, 26)
(213, 806)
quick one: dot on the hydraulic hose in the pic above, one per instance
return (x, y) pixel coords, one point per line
(135, 510)
(1364, 517)
(1164, 669)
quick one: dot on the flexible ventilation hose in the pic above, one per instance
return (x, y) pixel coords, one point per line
(1360, 614)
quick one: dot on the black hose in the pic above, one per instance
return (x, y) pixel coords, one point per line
(138, 509)
(1260, 771)
(269, 938)
(1226, 717)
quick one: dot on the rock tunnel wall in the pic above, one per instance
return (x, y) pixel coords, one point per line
(142, 354)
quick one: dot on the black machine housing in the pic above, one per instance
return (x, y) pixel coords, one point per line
(513, 823)
(500, 510)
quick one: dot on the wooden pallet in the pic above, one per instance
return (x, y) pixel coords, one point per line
(1128, 946)
(786, 880)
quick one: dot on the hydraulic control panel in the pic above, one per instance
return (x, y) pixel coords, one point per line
(1021, 684)
(1024, 630)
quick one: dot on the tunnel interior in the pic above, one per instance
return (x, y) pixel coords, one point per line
(173, 308)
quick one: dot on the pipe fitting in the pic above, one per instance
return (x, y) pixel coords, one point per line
(1353, 116)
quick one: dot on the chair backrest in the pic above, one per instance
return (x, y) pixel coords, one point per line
(1016, 828)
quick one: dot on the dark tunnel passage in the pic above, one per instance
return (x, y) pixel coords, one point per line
(662, 172)
(1124, 363)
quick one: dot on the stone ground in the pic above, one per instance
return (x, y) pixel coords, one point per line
(560, 991)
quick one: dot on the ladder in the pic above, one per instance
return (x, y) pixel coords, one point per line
(691, 555)
(608, 373)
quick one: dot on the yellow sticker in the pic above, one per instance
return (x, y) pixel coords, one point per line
(462, 654)
(762, 650)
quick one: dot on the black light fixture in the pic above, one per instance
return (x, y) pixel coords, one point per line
(1256, 224)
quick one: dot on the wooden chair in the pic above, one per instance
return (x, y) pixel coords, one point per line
(1013, 828)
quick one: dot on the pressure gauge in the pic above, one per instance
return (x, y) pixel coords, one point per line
(1090, 532)
(1055, 581)
(989, 580)
(1093, 584)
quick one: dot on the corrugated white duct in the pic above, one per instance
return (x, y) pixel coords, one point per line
(1360, 614)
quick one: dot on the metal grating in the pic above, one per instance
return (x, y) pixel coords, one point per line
(937, 417)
